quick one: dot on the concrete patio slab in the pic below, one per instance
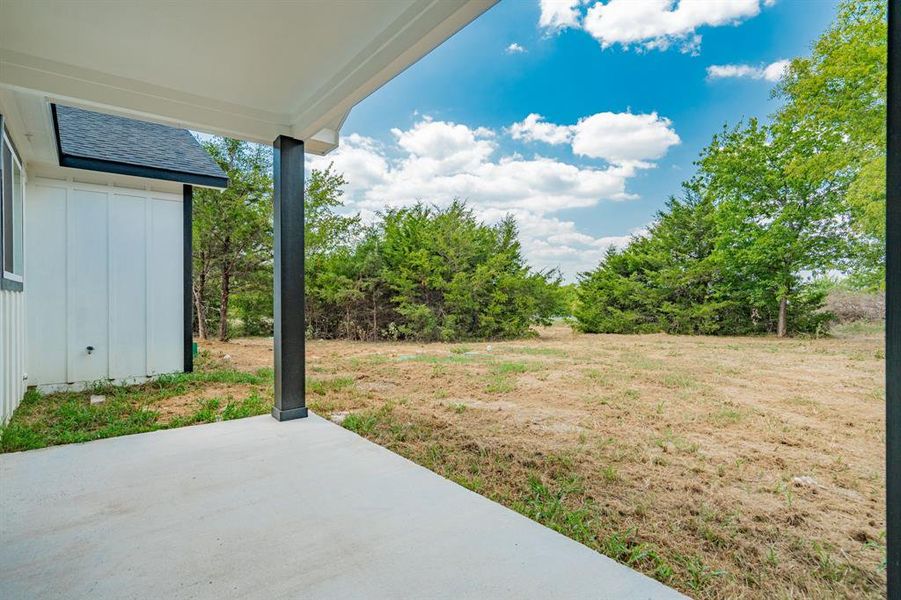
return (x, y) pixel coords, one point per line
(259, 509)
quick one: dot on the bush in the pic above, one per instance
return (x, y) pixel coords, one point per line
(677, 280)
(851, 305)
(429, 274)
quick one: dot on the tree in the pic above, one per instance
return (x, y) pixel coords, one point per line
(736, 253)
(779, 219)
(419, 273)
(837, 95)
(666, 280)
(424, 273)
(327, 237)
(770, 208)
(451, 277)
(232, 230)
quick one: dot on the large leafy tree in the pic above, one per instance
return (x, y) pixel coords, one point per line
(328, 238)
(776, 205)
(232, 232)
(837, 97)
(780, 220)
(737, 253)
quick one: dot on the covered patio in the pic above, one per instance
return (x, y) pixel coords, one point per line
(258, 508)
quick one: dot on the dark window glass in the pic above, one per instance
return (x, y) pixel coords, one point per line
(6, 176)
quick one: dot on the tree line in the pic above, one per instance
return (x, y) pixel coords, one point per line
(427, 273)
(420, 273)
(772, 208)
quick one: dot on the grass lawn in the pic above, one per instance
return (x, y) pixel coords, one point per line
(171, 401)
(725, 467)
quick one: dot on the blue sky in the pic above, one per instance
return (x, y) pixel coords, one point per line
(628, 92)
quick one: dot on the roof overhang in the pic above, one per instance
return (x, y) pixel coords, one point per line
(121, 168)
(248, 70)
(112, 144)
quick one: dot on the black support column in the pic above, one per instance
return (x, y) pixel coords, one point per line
(893, 306)
(287, 167)
(188, 275)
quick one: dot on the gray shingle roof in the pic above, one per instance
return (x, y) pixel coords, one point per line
(97, 141)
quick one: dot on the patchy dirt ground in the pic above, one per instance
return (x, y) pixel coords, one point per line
(727, 467)
(184, 405)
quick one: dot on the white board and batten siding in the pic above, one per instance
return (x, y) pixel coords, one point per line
(12, 352)
(104, 283)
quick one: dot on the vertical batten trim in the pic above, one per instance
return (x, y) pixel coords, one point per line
(148, 312)
(188, 277)
(110, 300)
(69, 320)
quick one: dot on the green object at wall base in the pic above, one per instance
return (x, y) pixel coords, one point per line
(194, 349)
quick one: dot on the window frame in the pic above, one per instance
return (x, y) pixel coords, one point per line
(9, 281)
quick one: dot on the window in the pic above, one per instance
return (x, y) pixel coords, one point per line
(12, 196)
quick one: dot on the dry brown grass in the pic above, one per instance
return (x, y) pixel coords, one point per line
(727, 467)
(183, 406)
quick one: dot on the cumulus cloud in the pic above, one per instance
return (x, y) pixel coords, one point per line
(618, 138)
(558, 14)
(515, 48)
(550, 242)
(624, 138)
(649, 24)
(438, 161)
(771, 72)
(535, 129)
(776, 71)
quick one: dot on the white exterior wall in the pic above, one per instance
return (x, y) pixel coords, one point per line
(103, 268)
(12, 352)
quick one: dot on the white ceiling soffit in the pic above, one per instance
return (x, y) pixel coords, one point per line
(250, 70)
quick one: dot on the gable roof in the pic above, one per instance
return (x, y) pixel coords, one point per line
(112, 144)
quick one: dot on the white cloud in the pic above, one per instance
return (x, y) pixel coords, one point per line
(550, 242)
(365, 159)
(440, 148)
(771, 72)
(559, 14)
(649, 24)
(439, 161)
(618, 138)
(624, 138)
(776, 71)
(535, 129)
(515, 48)
(726, 71)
